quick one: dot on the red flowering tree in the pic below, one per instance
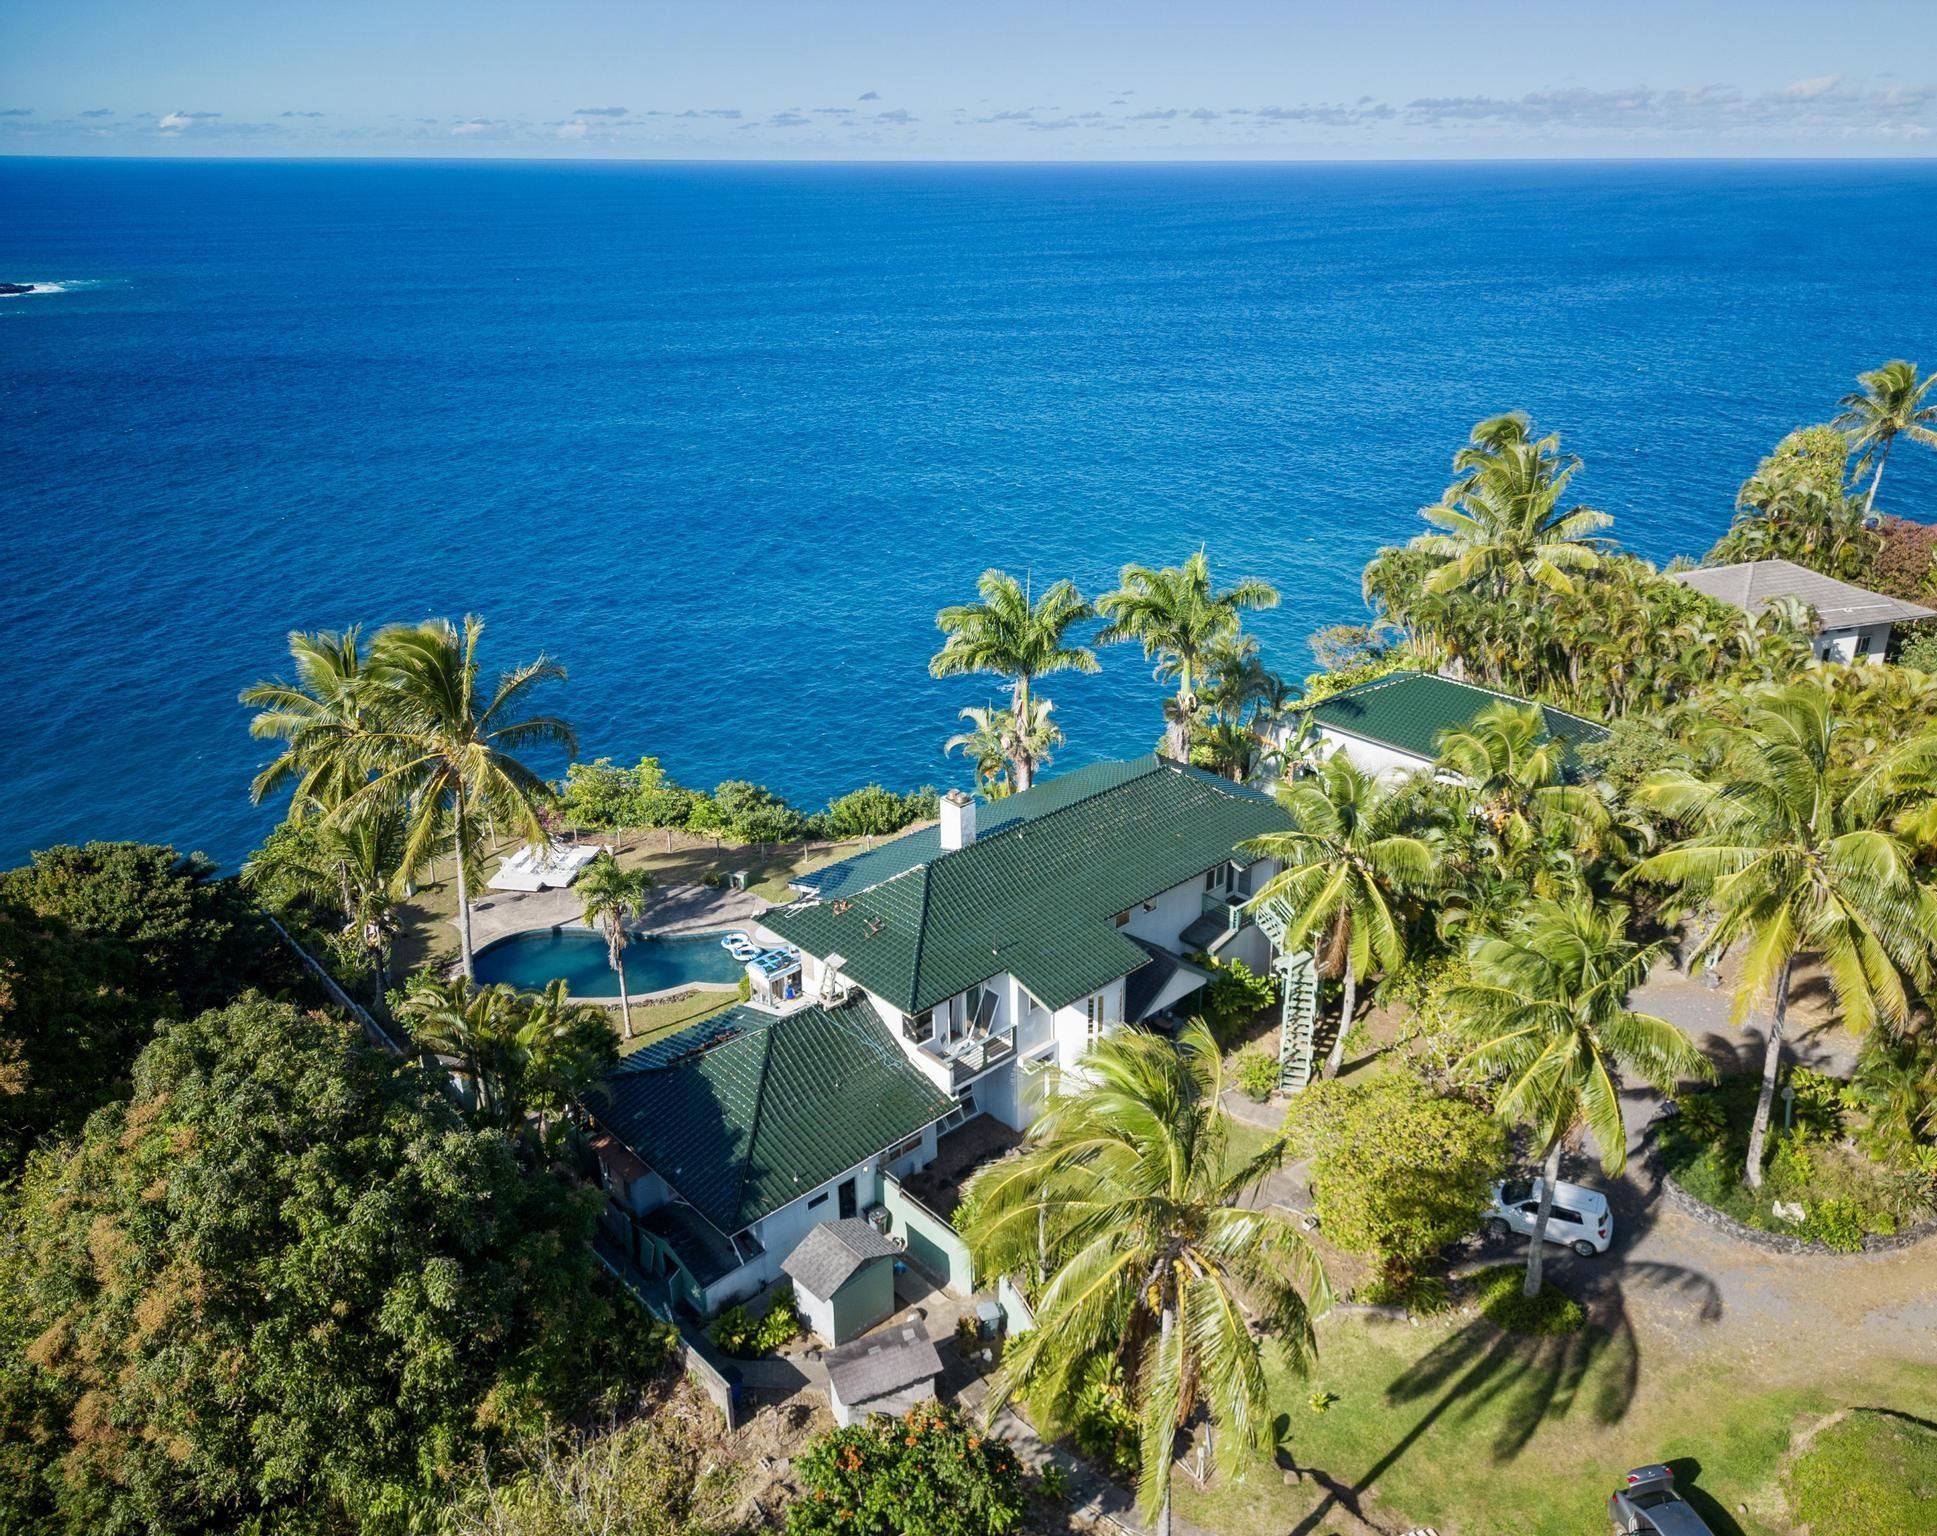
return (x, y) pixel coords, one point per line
(928, 1473)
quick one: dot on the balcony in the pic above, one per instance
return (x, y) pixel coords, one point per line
(968, 1059)
(1222, 912)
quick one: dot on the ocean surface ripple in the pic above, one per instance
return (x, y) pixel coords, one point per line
(721, 439)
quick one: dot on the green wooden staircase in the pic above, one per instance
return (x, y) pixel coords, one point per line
(1298, 984)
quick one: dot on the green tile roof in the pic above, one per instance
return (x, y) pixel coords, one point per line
(1409, 711)
(1035, 896)
(913, 848)
(745, 1111)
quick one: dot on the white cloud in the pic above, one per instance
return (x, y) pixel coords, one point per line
(571, 130)
(473, 126)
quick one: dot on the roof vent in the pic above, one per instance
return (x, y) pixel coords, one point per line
(958, 820)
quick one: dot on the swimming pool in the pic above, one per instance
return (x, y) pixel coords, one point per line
(530, 960)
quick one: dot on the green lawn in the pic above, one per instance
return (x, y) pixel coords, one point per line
(1456, 1425)
(654, 1021)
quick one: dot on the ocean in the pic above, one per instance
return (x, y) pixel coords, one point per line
(721, 439)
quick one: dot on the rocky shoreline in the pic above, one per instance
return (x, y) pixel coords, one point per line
(13, 290)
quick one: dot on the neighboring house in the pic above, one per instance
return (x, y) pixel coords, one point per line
(844, 1278)
(888, 1373)
(1392, 725)
(726, 1143)
(1853, 623)
(992, 953)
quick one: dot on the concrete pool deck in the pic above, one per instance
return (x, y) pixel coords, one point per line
(671, 910)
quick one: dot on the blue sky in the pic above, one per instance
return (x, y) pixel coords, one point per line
(975, 79)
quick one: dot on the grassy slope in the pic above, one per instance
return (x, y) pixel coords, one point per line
(1456, 1425)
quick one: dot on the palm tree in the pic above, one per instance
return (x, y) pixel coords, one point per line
(320, 718)
(1890, 403)
(1511, 770)
(613, 896)
(349, 865)
(1178, 617)
(472, 1033)
(1158, 1262)
(566, 1048)
(986, 744)
(1349, 862)
(1794, 843)
(1501, 523)
(438, 740)
(1547, 1003)
(1009, 634)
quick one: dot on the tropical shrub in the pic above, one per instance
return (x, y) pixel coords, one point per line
(433, 1294)
(1256, 1075)
(599, 794)
(751, 813)
(928, 1473)
(735, 1332)
(780, 1325)
(1502, 1301)
(1920, 650)
(872, 811)
(1234, 997)
(1905, 564)
(1103, 1424)
(1872, 1474)
(1397, 1171)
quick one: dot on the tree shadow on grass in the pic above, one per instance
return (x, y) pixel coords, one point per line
(1531, 1381)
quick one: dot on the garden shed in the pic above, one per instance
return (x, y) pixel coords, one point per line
(844, 1278)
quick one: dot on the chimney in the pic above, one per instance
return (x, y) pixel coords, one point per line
(958, 820)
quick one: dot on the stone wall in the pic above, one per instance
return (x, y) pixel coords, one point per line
(1782, 1242)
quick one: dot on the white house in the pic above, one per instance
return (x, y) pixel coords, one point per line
(1393, 724)
(1853, 623)
(941, 972)
(993, 950)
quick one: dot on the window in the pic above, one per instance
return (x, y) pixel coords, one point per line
(1214, 880)
(1122, 918)
(1096, 1015)
(820, 1199)
(1863, 644)
(849, 1204)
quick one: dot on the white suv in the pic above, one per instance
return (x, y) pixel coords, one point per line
(1579, 1217)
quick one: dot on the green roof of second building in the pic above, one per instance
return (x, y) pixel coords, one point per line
(746, 1111)
(1409, 711)
(1035, 897)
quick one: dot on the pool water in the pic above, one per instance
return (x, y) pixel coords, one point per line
(530, 960)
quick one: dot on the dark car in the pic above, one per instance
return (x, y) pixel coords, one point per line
(1649, 1506)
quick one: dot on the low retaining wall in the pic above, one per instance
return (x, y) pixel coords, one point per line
(1782, 1242)
(930, 1241)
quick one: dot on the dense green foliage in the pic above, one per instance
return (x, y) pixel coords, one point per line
(284, 1289)
(600, 796)
(738, 1334)
(928, 1473)
(96, 944)
(1871, 1474)
(1234, 997)
(1255, 1075)
(1397, 1171)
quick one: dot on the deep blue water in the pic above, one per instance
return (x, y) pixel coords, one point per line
(722, 439)
(530, 960)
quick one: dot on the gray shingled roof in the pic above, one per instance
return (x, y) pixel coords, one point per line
(880, 1363)
(1754, 584)
(829, 1255)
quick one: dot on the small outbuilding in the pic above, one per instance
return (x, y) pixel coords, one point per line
(888, 1372)
(1853, 623)
(844, 1278)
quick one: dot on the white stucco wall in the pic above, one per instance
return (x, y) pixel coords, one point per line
(1369, 757)
(1840, 644)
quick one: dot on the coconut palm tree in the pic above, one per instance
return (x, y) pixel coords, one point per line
(1793, 841)
(351, 866)
(1158, 1261)
(320, 718)
(1351, 860)
(613, 896)
(439, 740)
(472, 1033)
(1179, 617)
(1510, 773)
(1547, 1006)
(986, 744)
(1010, 634)
(566, 1049)
(1891, 403)
(1501, 524)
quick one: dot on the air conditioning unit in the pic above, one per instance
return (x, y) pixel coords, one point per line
(879, 1219)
